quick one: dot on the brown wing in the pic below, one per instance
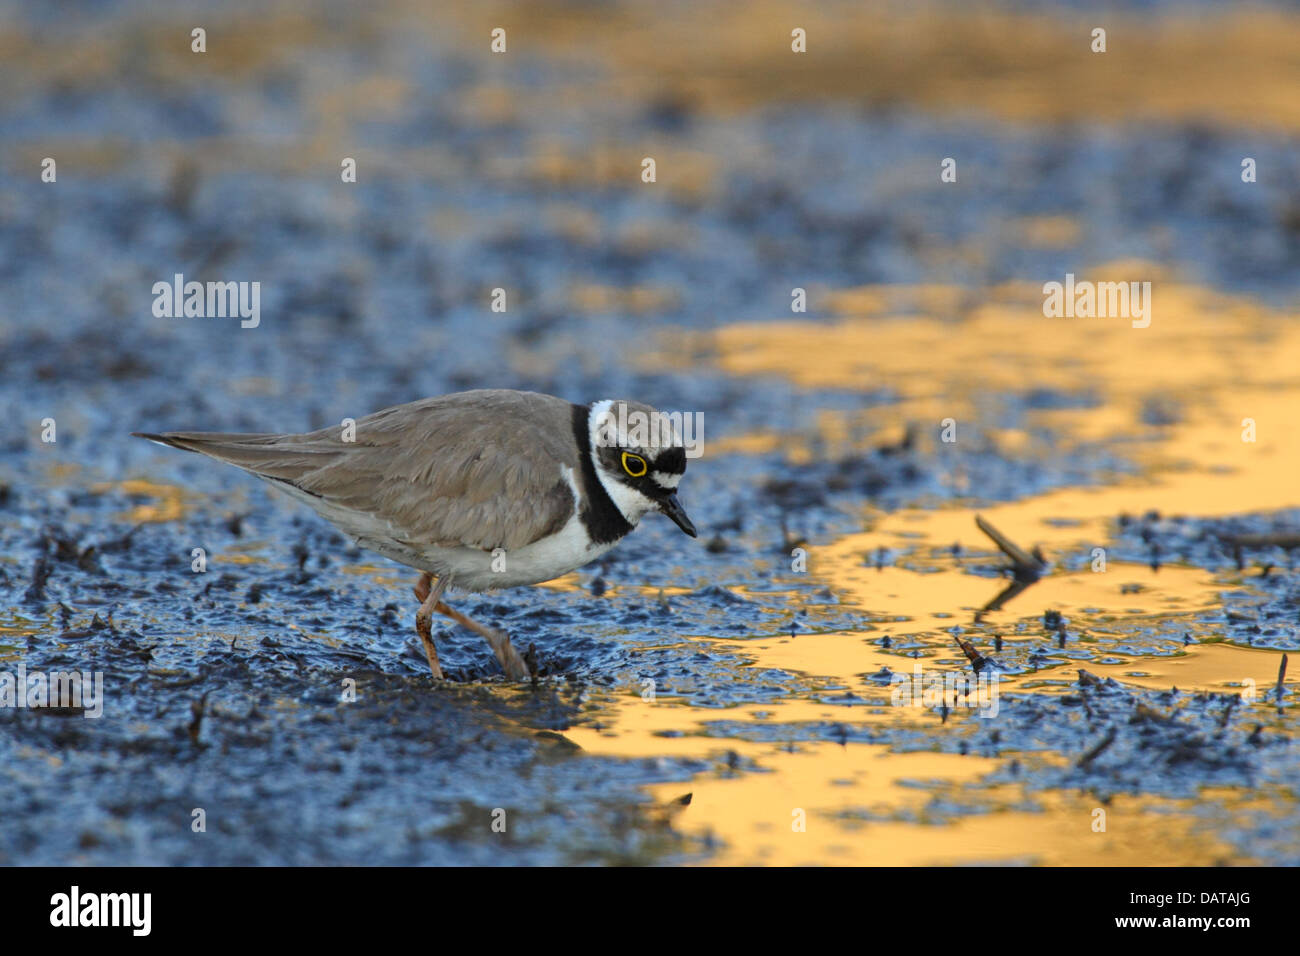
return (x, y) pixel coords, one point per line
(481, 469)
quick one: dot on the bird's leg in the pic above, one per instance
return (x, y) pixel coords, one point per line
(511, 662)
(430, 598)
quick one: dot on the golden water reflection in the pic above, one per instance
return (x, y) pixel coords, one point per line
(1174, 398)
(863, 804)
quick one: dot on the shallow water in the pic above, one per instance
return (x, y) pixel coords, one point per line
(712, 668)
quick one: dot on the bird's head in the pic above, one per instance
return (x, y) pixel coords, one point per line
(640, 459)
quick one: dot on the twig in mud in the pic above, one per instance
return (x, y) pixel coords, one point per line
(40, 574)
(1286, 540)
(183, 682)
(1096, 751)
(197, 709)
(663, 814)
(1026, 565)
(790, 541)
(1281, 676)
(1144, 713)
(904, 444)
(977, 660)
(1233, 700)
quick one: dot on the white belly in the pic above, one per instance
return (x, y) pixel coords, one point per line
(475, 570)
(471, 569)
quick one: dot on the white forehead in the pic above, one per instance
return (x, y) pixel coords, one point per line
(614, 424)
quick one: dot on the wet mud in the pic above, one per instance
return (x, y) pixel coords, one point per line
(281, 695)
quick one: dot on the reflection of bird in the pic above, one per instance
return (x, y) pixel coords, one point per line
(479, 490)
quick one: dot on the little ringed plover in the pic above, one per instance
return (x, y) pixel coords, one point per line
(478, 490)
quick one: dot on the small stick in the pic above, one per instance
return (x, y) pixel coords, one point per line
(1280, 539)
(1281, 676)
(1233, 700)
(1025, 564)
(1097, 751)
(1088, 680)
(977, 660)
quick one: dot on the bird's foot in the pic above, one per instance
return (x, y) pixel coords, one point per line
(423, 621)
(516, 668)
(424, 628)
(499, 641)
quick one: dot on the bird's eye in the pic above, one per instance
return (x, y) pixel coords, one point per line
(634, 465)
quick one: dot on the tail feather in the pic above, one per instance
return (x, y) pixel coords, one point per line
(160, 439)
(284, 457)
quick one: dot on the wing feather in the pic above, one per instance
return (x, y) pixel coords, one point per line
(482, 469)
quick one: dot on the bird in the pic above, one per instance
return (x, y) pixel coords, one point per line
(478, 490)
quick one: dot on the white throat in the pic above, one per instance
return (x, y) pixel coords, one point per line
(627, 499)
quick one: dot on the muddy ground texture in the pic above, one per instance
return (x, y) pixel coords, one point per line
(224, 689)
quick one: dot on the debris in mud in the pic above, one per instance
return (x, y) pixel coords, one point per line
(977, 661)
(1280, 691)
(1027, 566)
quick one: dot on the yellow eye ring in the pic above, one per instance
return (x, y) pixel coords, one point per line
(630, 460)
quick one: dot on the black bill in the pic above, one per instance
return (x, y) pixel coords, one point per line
(673, 509)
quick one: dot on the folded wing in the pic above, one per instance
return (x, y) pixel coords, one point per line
(481, 469)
